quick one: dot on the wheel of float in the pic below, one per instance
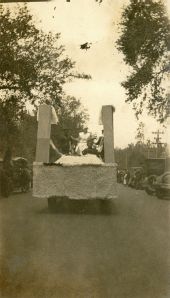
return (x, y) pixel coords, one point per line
(52, 203)
(56, 202)
(106, 206)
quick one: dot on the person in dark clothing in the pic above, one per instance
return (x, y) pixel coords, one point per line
(66, 142)
(90, 149)
(100, 146)
(6, 175)
(127, 177)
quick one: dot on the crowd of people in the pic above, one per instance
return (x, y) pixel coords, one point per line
(133, 179)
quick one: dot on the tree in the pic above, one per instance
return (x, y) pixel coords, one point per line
(131, 156)
(72, 114)
(33, 67)
(72, 119)
(140, 133)
(144, 42)
(26, 147)
(9, 130)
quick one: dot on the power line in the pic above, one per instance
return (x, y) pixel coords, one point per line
(158, 142)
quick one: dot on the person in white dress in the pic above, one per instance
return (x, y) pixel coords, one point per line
(82, 141)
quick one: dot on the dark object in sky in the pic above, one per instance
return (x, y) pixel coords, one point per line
(85, 46)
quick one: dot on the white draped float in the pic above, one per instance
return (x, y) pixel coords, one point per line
(74, 177)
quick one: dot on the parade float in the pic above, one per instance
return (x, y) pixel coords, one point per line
(74, 177)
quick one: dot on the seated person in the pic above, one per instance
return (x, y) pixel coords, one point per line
(82, 141)
(90, 148)
(100, 145)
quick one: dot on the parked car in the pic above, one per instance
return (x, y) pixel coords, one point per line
(18, 178)
(154, 167)
(136, 177)
(162, 186)
(21, 174)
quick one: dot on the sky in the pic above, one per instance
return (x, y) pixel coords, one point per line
(81, 21)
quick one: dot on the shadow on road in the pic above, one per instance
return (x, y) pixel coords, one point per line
(66, 206)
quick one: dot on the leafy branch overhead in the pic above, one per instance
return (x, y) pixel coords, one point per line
(144, 37)
(33, 65)
(33, 68)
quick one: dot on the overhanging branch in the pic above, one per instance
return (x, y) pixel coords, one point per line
(3, 87)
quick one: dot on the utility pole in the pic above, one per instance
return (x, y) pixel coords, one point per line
(167, 165)
(157, 141)
(168, 136)
(148, 148)
(126, 158)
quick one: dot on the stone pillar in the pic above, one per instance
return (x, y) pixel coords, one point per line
(43, 134)
(107, 119)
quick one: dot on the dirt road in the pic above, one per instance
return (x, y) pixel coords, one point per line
(86, 254)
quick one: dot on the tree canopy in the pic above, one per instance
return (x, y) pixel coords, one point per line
(31, 62)
(72, 118)
(144, 38)
(140, 133)
(72, 115)
(33, 67)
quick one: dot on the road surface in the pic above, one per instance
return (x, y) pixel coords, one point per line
(85, 253)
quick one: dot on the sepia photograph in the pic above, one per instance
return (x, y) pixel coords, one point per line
(85, 149)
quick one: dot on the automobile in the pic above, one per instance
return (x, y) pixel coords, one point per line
(21, 174)
(162, 186)
(18, 179)
(153, 167)
(136, 177)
